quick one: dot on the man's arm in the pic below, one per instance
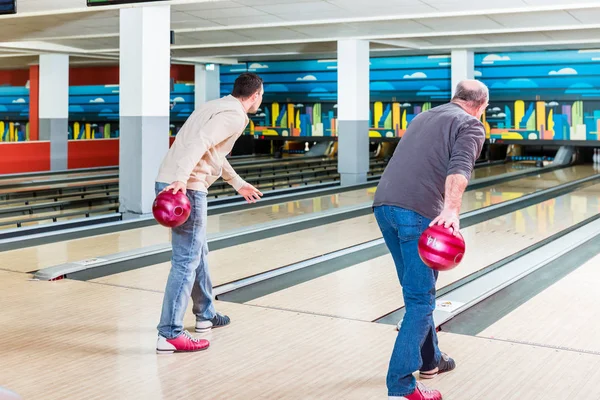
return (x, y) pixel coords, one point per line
(465, 152)
(201, 138)
(231, 177)
(198, 140)
(250, 193)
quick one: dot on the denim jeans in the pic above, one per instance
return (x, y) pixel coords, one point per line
(189, 275)
(416, 345)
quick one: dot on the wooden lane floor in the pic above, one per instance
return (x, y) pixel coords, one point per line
(50, 178)
(370, 290)
(35, 258)
(492, 170)
(58, 186)
(238, 262)
(90, 341)
(59, 215)
(564, 315)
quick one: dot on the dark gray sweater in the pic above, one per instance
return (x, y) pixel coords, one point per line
(440, 142)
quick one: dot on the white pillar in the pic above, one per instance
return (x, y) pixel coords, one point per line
(54, 107)
(207, 84)
(353, 111)
(144, 103)
(463, 66)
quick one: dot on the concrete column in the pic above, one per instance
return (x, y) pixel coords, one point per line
(144, 103)
(353, 111)
(54, 107)
(463, 66)
(207, 85)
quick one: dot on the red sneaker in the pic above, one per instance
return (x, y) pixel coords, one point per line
(421, 393)
(182, 343)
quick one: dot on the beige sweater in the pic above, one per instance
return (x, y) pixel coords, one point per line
(197, 156)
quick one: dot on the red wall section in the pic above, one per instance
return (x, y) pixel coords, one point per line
(82, 76)
(24, 157)
(17, 77)
(34, 102)
(93, 153)
(186, 73)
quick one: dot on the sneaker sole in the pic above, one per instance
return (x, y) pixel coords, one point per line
(180, 351)
(428, 376)
(204, 330)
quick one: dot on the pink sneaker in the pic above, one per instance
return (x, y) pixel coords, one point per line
(421, 393)
(181, 344)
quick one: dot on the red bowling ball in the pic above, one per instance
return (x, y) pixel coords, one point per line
(171, 210)
(440, 249)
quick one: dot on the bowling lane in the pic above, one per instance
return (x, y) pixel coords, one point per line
(42, 187)
(493, 170)
(34, 258)
(562, 314)
(248, 259)
(370, 290)
(50, 178)
(61, 215)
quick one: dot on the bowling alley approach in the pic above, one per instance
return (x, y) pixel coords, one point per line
(321, 199)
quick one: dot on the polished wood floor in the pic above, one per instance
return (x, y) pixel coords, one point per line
(96, 341)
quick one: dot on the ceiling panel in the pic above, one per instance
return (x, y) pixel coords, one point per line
(586, 16)
(255, 19)
(315, 7)
(575, 35)
(518, 37)
(459, 23)
(226, 13)
(459, 5)
(547, 18)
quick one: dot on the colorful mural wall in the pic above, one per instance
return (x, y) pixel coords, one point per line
(300, 96)
(93, 111)
(552, 95)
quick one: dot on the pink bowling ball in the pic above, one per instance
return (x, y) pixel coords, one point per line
(171, 210)
(440, 249)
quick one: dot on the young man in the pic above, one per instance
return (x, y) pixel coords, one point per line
(423, 185)
(194, 162)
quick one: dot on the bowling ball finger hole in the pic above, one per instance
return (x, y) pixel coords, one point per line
(458, 258)
(178, 211)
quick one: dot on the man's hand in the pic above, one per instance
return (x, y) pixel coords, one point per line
(250, 193)
(176, 187)
(448, 218)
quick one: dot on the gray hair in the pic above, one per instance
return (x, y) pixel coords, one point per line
(472, 92)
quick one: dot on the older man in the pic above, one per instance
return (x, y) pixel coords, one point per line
(423, 185)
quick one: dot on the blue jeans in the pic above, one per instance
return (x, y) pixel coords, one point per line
(189, 275)
(416, 345)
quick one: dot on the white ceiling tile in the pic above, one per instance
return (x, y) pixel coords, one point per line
(209, 37)
(589, 34)
(314, 7)
(456, 40)
(586, 16)
(256, 19)
(193, 23)
(272, 34)
(558, 2)
(324, 31)
(458, 23)
(471, 5)
(391, 27)
(209, 5)
(546, 18)
(253, 3)
(227, 13)
(518, 37)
